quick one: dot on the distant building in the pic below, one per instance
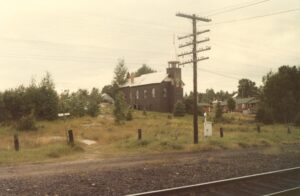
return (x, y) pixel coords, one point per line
(246, 105)
(155, 91)
(106, 98)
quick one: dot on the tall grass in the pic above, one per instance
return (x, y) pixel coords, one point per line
(159, 134)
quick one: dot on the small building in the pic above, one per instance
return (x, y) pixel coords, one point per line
(106, 98)
(155, 91)
(246, 105)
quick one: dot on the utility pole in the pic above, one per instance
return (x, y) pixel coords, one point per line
(195, 60)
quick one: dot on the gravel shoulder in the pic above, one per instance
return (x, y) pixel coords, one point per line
(124, 175)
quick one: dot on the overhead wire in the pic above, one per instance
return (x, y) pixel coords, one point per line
(238, 8)
(253, 17)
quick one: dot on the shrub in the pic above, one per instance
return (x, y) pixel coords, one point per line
(120, 107)
(129, 115)
(27, 123)
(179, 109)
(264, 116)
(218, 113)
(231, 104)
(297, 119)
(93, 109)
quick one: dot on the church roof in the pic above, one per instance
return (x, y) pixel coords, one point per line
(151, 78)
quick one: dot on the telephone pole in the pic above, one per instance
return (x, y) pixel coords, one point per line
(195, 60)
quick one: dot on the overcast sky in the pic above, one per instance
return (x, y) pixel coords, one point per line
(80, 41)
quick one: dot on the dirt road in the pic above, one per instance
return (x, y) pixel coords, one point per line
(119, 176)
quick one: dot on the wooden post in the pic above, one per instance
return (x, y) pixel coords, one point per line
(221, 132)
(16, 142)
(288, 130)
(258, 128)
(194, 43)
(139, 134)
(70, 137)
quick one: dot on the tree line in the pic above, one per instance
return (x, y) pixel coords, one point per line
(280, 96)
(42, 102)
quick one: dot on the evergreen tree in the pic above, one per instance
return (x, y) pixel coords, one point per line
(218, 113)
(120, 73)
(129, 116)
(247, 88)
(280, 98)
(144, 70)
(120, 108)
(231, 104)
(179, 109)
(93, 108)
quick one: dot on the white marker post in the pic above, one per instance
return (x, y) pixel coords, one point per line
(64, 116)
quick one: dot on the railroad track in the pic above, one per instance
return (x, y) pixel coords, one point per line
(276, 183)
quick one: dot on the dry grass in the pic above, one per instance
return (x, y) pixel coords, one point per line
(160, 134)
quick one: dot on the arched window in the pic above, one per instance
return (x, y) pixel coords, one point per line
(153, 92)
(165, 92)
(137, 94)
(145, 94)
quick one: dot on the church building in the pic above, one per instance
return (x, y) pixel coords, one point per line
(155, 91)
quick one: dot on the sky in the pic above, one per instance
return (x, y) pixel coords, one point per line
(80, 41)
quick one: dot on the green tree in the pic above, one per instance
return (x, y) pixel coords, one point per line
(120, 73)
(231, 104)
(95, 95)
(79, 102)
(120, 108)
(179, 109)
(218, 112)
(280, 98)
(110, 89)
(247, 88)
(3, 112)
(46, 99)
(93, 108)
(208, 96)
(129, 116)
(145, 69)
(188, 102)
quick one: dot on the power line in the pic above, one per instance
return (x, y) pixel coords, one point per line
(237, 8)
(255, 17)
(228, 7)
(219, 74)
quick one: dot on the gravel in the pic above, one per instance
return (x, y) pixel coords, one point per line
(125, 175)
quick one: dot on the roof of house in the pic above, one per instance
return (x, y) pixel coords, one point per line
(245, 100)
(107, 98)
(203, 104)
(151, 78)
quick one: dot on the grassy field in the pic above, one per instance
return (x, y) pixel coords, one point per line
(160, 134)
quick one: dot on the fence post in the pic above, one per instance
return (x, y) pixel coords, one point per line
(258, 128)
(139, 134)
(288, 130)
(16, 142)
(70, 137)
(221, 132)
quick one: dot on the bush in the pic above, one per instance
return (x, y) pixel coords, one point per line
(179, 109)
(27, 123)
(120, 108)
(264, 116)
(218, 113)
(231, 104)
(297, 119)
(93, 109)
(129, 115)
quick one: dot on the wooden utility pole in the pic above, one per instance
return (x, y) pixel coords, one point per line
(194, 19)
